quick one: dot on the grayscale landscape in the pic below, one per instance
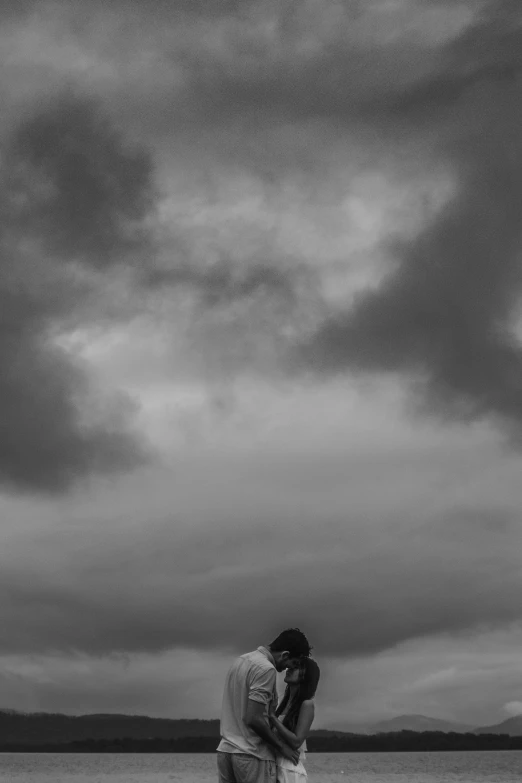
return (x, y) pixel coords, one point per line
(261, 362)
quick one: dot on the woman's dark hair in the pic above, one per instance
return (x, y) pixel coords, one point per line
(306, 690)
(294, 641)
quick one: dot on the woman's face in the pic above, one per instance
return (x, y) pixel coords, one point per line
(294, 675)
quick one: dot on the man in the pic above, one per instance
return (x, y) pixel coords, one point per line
(246, 753)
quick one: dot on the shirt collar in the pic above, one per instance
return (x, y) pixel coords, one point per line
(266, 652)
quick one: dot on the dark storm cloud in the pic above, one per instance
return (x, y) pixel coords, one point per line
(251, 82)
(77, 200)
(160, 589)
(45, 445)
(20, 7)
(225, 282)
(488, 51)
(76, 196)
(77, 190)
(72, 194)
(15, 8)
(446, 316)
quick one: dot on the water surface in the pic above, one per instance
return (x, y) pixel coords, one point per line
(451, 767)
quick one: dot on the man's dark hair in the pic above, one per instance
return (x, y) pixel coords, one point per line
(294, 641)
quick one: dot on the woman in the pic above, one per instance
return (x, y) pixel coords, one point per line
(294, 716)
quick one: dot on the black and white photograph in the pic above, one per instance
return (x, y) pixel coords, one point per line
(260, 391)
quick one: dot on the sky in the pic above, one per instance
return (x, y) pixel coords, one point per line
(260, 352)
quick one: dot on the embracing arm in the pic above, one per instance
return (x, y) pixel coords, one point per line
(304, 723)
(256, 720)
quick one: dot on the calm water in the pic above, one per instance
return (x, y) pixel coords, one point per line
(479, 767)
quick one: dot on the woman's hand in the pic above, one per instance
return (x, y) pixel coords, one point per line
(290, 753)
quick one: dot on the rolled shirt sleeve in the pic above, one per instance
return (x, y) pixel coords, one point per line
(262, 685)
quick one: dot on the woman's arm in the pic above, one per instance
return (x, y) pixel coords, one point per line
(304, 723)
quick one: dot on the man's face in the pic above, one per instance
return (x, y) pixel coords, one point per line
(287, 663)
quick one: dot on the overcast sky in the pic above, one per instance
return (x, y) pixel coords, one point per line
(260, 358)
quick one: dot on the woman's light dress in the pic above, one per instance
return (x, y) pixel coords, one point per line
(292, 773)
(288, 772)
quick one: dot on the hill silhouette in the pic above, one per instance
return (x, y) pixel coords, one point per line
(416, 723)
(42, 728)
(511, 726)
(99, 733)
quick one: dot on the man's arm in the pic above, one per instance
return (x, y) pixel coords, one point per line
(256, 720)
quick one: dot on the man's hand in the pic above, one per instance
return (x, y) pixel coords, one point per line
(256, 718)
(289, 753)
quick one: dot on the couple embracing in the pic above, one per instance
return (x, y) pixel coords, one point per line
(261, 741)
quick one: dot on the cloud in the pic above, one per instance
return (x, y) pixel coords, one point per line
(222, 283)
(177, 684)
(466, 679)
(186, 601)
(445, 316)
(188, 683)
(358, 579)
(78, 192)
(73, 198)
(513, 708)
(274, 91)
(13, 8)
(282, 63)
(208, 192)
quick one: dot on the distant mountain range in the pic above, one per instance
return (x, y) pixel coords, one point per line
(405, 723)
(43, 728)
(417, 723)
(40, 728)
(511, 726)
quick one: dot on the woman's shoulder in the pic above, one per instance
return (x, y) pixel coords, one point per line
(308, 705)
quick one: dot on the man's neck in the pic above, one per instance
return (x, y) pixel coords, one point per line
(268, 652)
